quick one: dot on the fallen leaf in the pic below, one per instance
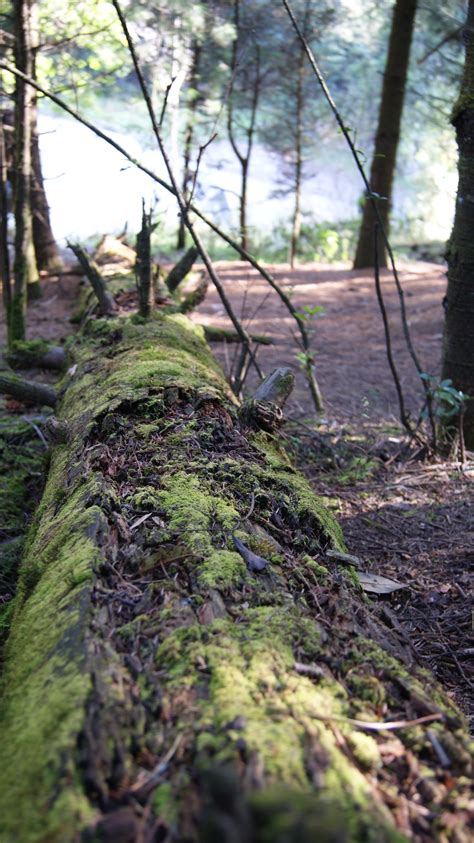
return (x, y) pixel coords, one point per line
(377, 584)
(140, 520)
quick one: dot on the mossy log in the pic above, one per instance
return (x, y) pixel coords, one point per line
(155, 688)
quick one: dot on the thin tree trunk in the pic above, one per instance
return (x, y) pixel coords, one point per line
(186, 661)
(4, 253)
(188, 142)
(296, 222)
(24, 267)
(243, 157)
(458, 347)
(46, 250)
(388, 131)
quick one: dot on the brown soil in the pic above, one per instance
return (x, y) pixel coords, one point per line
(404, 518)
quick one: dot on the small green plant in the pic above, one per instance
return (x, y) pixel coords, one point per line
(448, 402)
(307, 312)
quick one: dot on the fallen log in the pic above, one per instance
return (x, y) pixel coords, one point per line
(158, 685)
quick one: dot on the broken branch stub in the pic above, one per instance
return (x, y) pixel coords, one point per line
(91, 271)
(265, 409)
(181, 269)
(144, 269)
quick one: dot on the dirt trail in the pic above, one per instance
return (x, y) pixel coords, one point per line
(348, 338)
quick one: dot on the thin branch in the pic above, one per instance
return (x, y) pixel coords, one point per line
(165, 101)
(181, 200)
(388, 341)
(449, 37)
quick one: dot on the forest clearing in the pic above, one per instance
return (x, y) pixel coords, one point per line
(237, 450)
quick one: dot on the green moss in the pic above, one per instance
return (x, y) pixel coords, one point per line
(165, 805)
(320, 571)
(283, 816)
(222, 569)
(365, 750)
(254, 697)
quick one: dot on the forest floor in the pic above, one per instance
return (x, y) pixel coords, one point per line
(404, 518)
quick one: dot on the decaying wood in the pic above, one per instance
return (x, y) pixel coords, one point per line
(181, 269)
(91, 271)
(144, 269)
(265, 409)
(215, 334)
(160, 685)
(23, 390)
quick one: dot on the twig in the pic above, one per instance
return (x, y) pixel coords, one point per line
(37, 430)
(388, 341)
(390, 725)
(181, 200)
(165, 101)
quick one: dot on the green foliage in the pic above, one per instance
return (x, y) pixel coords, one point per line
(449, 402)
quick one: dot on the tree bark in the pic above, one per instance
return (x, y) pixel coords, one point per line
(458, 346)
(46, 250)
(296, 222)
(159, 687)
(4, 251)
(188, 142)
(144, 269)
(388, 131)
(24, 268)
(243, 157)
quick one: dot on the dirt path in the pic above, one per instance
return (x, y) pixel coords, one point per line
(348, 338)
(412, 522)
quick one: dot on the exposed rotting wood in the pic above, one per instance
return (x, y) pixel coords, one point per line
(91, 271)
(265, 409)
(155, 687)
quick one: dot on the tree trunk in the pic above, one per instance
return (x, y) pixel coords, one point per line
(388, 131)
(296, 223)
(46, 250)
(4, 253)
(24, 267)
(243, 157)
(158, 683)
(188, 142)
(458, 350)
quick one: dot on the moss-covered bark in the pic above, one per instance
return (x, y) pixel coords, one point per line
(154, 687)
